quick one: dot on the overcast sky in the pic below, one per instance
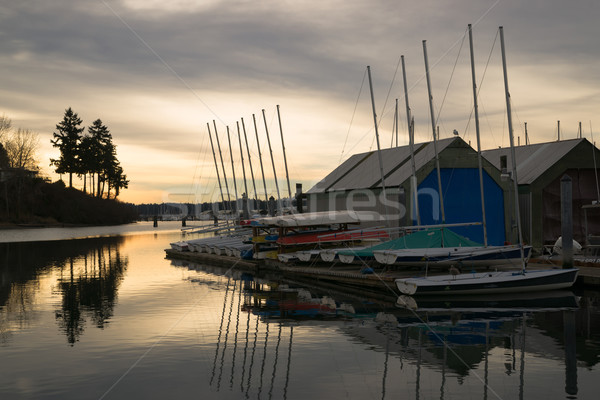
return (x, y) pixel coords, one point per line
(156, 72)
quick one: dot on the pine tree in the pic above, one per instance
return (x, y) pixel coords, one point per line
(94, 149)
(67, 139)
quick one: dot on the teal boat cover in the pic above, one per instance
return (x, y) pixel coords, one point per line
(425, 239)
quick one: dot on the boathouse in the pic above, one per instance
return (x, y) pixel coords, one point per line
(356, 184)
(540, 168)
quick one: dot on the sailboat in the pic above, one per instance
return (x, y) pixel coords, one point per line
(497, 281)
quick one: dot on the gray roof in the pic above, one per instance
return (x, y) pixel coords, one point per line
(361, 171)
(532, 160)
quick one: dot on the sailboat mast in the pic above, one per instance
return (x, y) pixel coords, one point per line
(272, 161)
(249, 160)
(485, 237)
(287, 176)
(242, 158)
(232, 169)
(216, 165)
(262, 170)
(437, 158)
(411, 144)
(512, 148)
(395, 126)
(222, 165)
(384, 200)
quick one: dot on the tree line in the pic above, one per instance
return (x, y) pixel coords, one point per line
(92, 155)
(27, 197)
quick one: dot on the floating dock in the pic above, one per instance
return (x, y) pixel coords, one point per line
(382, 278)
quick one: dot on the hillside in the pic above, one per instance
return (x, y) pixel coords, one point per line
(33, 201)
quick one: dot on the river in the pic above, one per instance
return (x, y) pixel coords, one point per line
(100, 313)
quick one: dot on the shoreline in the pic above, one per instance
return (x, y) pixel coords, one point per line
(11, 226)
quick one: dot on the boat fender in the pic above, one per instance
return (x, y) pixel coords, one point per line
(367, 270)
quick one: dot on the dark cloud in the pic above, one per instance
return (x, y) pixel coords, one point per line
(132, 60)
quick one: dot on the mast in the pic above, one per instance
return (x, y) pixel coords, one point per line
(262, 170)
(437, 158)
(232, 169)
(512, 149)
(287, 176)
(242, 158)
(384, 200)
(272, 162)
(222, 165)
(216, 165)
(250, 161)
(411, 143)
(485, 237)
(395, 126)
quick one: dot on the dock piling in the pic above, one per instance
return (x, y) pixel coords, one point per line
(566, 206)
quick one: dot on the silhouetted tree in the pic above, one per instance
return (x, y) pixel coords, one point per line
(4, 163)
(21, 147)
(67, 140)
(5, 126)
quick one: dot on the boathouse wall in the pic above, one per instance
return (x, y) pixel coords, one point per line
(540, 168)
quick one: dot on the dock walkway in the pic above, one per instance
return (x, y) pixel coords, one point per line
(352, 274)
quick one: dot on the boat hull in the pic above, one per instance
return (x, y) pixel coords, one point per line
(489, 282)
(444, 257)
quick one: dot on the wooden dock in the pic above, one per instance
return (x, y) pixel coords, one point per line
(382, 279)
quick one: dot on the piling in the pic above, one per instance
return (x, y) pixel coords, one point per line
(271, 206)
(155, 221)
(566, 205)
(245, 213)
(299, 198)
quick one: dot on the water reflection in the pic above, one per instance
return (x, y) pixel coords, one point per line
(85, 274)
(480, 346)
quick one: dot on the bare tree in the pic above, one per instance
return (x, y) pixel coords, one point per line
(5, 127)
(21, 146)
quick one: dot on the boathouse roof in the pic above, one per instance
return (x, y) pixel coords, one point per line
(534, 160)
(361, 171)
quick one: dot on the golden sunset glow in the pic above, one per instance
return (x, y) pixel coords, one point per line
(156, 73)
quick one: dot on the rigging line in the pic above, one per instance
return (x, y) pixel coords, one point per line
(162, 60)
(450, 80)
(156, 343)
(353, 115)
(203, 165)
(191, 190)
(387, 97)
(453, 45)
(483, 79)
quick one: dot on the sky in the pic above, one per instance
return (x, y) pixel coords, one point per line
(156, 73)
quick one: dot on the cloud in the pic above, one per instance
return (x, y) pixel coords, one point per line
(157, 72)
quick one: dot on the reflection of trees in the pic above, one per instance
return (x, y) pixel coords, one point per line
(89, 289)
(90, 273)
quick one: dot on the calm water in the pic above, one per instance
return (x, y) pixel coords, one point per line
(110, 318)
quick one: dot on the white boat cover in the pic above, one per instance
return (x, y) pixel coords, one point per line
(322, 218)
